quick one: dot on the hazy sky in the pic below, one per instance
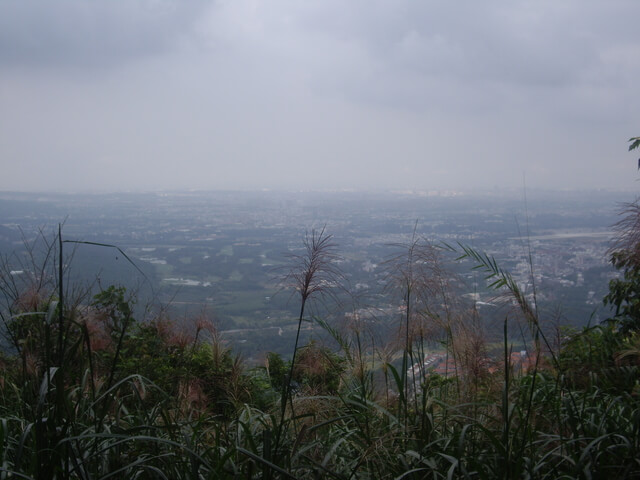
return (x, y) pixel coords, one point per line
(403, 94)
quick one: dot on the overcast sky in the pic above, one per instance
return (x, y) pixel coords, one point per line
(99, 95)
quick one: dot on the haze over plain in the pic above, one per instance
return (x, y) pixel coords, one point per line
(246, 94)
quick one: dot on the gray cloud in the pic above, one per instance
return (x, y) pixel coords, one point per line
(333, 94)
(90, 33)
(386, 51)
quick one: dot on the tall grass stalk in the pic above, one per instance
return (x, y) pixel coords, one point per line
(312, 275)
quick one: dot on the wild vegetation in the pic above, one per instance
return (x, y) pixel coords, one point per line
(89, 391)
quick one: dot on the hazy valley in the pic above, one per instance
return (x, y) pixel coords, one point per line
(225, 254)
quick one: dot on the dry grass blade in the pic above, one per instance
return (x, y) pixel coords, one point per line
(625, 249)
(312, 272)
(498, 278)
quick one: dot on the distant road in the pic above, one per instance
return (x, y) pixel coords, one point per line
(566, 235)
(243, 330)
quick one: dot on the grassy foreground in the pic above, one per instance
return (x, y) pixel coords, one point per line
(88, 392)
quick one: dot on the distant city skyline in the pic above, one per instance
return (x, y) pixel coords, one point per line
(389, 95)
